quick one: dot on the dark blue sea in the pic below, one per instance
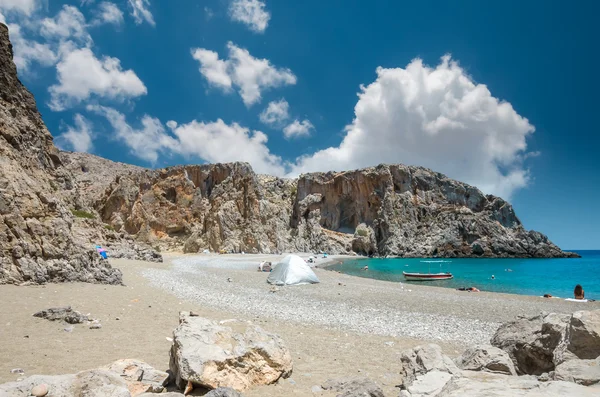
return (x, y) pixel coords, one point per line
(557, 277)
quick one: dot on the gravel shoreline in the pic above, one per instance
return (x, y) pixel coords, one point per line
(345, 302)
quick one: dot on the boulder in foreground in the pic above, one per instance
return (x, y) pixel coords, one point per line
(583, 372)
(123, 378)
(211, 355)
(539, 344)
(427, 374)
(486, 358)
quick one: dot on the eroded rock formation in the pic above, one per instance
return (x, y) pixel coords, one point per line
(384, 210)
(36, 242)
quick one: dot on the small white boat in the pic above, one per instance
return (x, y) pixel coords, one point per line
(427, 276)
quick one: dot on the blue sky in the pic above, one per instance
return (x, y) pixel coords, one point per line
(498, 94)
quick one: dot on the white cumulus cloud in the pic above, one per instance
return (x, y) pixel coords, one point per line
(276, 113)
(248, 74)
(26, 7)
(108, 13)
(218, 142)
(68, 24)
(81, 75)
(434, 117)
(213, 142)
(252, 13)
(78, 138)
(298, 129)
(140, 12)
(213, 68)
(145, 142)
(27, 52)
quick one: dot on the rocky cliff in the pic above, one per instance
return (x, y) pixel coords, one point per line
(385, 210)
(36, 241)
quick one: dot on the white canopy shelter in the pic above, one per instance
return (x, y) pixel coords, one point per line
(292, 270)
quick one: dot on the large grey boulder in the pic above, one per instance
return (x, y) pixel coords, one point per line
(486, 358)
(531, 342)
(423, 359)
(538, 344)
(584, 334)
(354, 387)
(426, 371)
(583, 372)
(211, 355)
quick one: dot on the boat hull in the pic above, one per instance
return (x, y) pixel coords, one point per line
(427, 277)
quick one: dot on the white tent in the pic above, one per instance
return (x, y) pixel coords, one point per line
(292, 270)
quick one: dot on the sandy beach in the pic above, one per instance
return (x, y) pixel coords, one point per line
(344, 326)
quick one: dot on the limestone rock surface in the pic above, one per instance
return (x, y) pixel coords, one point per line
(584, 334)
(486, 358)
(211, 355)
(385, 210)
(540, 343)
(36, 240)
(531, 342)
(354, 387)
(123, 378)
(424, 359)
(426, 374)
(583, 372)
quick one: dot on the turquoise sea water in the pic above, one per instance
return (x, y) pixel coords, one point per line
(527, 276)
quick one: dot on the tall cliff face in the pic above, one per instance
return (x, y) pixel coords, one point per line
(36, 243)
(384, 210)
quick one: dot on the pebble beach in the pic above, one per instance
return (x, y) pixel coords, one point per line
(343, 326)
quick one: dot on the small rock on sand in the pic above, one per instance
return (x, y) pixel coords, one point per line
(39, 390)
(96, 326)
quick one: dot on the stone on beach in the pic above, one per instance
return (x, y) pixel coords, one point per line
(354, 387)
(584, 334)
(423, 359)
(211, 355)
(486, 358)
(530, 342)
(62, 314)
(39, 390)
(432, 378)
(123, 378)
(538, 344)
(140, 377)
(583, 372)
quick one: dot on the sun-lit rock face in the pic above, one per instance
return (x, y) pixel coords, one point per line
(36, 243)
(383, 210)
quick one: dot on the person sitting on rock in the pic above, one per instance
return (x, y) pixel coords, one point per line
(579, 292)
